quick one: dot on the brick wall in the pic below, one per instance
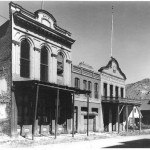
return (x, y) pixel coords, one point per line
(5, 77)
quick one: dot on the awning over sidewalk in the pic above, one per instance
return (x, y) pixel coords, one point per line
(35, 84)
(119, 100)
(30, 83)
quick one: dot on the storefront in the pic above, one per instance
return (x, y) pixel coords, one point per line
(44, 108)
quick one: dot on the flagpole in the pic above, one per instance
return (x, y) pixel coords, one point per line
(112, 32)
(42, 4)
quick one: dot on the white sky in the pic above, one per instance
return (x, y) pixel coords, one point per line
(90, 25)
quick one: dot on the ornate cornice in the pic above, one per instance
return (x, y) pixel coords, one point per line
(46, 12)
(109, 65)
(36, 27)
(16, 42)
(34, 16)
(110, 77)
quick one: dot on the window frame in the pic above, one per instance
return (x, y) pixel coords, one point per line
(77, 83)
(44, 65)
(105, 91)
(122, 92)
(96, 87)
(111, 90)
(84, 84)
(59, 62)
(25, 62)
(90, 88)
(116, 92)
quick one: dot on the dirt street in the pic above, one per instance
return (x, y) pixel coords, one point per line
(140, 141)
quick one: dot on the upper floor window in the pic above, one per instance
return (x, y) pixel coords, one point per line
(122, 92)
(96, 90)
(84, 85)
(105, 89)
(44, 64)
(77, 83)
(90, 87)
(116, 90)
(25, 59)
(111, 90)
(60, 64)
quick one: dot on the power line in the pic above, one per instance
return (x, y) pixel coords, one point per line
(4, 17)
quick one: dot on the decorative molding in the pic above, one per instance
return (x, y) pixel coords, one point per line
(24, 21)
(68, 61)
(109, 65)
(37, 49)
(46, 45)
(26, 36)
(111, 78)
(40, 39)
(53, 55)
(36, 40)
(84, 72)
(16, 42)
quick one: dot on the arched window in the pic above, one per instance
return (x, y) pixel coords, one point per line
(90, 87)
(84, 85)
(77, 83)
(60, 64)
(96, 90)
(25, 59)
(44, 64)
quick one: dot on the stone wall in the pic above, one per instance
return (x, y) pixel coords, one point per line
(5, 78)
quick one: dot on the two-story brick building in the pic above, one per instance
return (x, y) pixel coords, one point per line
(84, 77)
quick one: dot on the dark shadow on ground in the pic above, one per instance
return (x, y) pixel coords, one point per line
(142, 143)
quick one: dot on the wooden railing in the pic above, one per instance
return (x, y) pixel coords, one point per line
(121, 100)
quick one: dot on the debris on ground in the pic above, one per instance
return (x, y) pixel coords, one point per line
(63, 138)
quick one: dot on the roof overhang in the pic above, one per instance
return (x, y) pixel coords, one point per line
(38, 28)
(109, 65)
(121, 101)
(32, 83)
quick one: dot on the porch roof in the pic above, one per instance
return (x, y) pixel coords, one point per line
(125, 101)
(31, 83)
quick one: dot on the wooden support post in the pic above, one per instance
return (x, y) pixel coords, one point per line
(50, 117)
(127, 118)
(133, 118)
(73, 115)
(88, 114)
(14, 115)
(121, 110)
(118, 118)
(110, 119)
(35, 111)
(139, 119)
(56, 110)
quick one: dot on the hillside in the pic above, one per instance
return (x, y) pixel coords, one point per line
(139, 90)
